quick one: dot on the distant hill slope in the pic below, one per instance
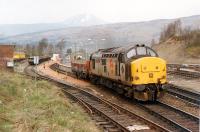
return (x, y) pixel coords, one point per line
(177, 52)
(16, 29)
(78, 20)
(105, 35)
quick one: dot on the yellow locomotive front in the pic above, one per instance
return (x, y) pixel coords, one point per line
(148, 75)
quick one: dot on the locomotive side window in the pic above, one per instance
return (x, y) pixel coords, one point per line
(93, 63)
(151, 52)
(116, 68)
(103, 61)
(105, 69)
(141, 51)
(121, 58)
(131, 53)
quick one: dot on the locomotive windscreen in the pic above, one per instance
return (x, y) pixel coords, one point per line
(141, 51)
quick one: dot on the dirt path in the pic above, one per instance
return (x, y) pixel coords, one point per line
(68, 79)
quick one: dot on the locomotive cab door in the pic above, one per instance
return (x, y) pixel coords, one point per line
(121, 67)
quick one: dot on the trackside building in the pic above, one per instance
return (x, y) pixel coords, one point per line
(6, 56)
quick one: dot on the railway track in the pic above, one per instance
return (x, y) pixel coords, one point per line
(181, 120)
(186, 95)
(174, 90)
(56, 68)
(30, 72)
(187, 71)
(185, 74)
(194, 67)
(111, 117)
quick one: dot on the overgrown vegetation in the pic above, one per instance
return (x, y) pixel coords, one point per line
(189, 37)
(171, 30)
(193, 45)
(43, 48)
(25, 107)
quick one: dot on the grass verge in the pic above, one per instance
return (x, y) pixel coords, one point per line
(25, 107)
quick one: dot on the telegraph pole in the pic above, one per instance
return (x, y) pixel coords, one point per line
(75, 49)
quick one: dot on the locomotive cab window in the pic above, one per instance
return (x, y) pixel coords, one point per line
(151, 52)
(131, 53)
(145, 51)
(141, 51)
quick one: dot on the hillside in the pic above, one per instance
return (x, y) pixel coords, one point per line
(16, 29)
(178, 52)
(106, 35)
(74, 21)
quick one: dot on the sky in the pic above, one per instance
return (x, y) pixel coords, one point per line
(49, 11)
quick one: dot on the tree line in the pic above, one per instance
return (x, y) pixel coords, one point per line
(44, 48)
(175, 31)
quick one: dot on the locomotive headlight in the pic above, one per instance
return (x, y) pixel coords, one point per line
(164, 69)
(136, 78)
(163, 77)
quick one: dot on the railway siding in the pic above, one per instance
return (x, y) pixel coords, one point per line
(184, 70)
(103, 120)
(181, 120)
(180, 92)
(124, 121)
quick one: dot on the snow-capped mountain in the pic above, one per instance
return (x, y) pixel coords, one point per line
(83, 20)
(75, 21)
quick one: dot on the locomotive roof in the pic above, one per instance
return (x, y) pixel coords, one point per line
(113, 52)
(119, 49)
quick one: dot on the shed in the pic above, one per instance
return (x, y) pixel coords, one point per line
(6, 55)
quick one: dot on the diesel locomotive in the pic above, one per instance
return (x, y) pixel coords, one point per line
(135, 71)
